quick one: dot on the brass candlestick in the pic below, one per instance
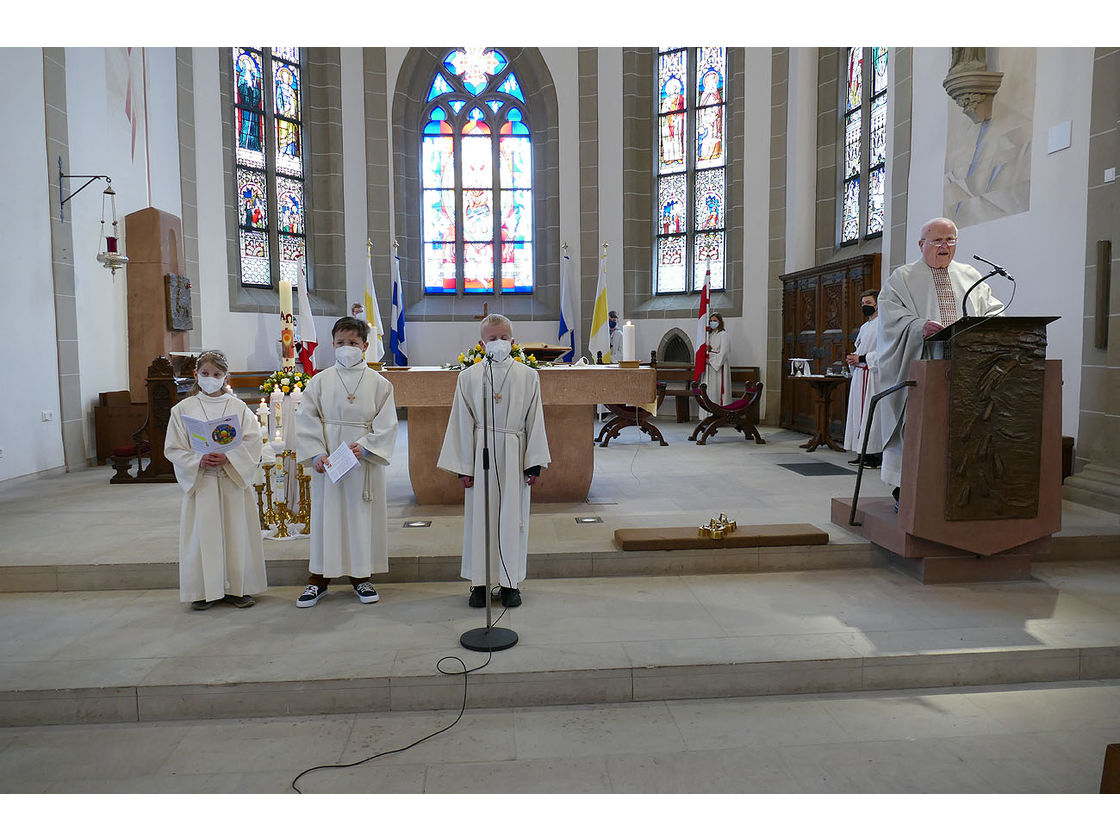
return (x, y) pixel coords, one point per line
(270, 515)
(283, 517)
(260, 506)
(304, 516)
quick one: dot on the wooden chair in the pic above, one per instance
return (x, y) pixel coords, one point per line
(631, 415)
(736, 414)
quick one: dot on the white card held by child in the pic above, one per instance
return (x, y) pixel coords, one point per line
(340, 462)
(208, 436)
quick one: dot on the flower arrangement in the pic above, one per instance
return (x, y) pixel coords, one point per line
(477, 353)
(286, 381)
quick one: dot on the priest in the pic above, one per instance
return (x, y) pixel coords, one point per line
(510, 394)
(920, 299)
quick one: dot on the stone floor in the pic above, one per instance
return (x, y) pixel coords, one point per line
(832, 675)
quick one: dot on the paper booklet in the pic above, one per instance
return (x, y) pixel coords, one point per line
(340, 462)
(209, 436)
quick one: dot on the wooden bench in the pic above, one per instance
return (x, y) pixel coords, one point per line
(677, 377)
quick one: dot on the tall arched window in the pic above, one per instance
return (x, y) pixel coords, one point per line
(691, 168)
(865, 144)
(269, 167)
(476, 177)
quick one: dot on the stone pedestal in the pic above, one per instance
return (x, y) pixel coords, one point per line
(154, 244)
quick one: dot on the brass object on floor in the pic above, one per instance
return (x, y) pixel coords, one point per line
(717, 529)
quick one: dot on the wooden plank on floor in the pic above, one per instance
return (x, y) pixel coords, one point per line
(746, 536)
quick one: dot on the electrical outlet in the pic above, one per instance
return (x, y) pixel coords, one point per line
(1, 451)
(48, 415)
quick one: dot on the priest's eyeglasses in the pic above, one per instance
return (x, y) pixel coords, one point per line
(937, 243)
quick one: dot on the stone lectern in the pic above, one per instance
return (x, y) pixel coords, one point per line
(982, 456)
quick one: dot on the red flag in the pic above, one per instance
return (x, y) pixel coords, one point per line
(702, 330)
(306, 323)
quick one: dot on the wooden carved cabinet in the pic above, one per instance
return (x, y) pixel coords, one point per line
(820, 319)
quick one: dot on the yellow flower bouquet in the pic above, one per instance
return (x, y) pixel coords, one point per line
(285, 381)
(477, 353)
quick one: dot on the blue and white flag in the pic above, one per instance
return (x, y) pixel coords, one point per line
(567, 316)
(396, 331)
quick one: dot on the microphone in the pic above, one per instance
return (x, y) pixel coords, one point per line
(998, 268)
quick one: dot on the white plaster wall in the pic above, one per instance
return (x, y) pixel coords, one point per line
(27, 319)
(101, 142)
(1044, 247)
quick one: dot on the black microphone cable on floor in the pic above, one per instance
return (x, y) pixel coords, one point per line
(462, 710)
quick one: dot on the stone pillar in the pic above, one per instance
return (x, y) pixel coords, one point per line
(1097, 446)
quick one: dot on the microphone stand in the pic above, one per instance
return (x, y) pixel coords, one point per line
(996, 269)
(488, 638)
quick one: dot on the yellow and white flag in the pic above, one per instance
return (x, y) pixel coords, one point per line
(373, 313)
(600, 339)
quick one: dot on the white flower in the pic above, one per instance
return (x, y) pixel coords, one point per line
(285, 381)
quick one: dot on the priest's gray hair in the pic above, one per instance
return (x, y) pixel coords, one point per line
(939, 220)
(495, 320)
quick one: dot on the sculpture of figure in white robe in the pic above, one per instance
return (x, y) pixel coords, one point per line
(347, 403)
(717, 370)
(511, 394)
(911, 310)
(864, 365)
(221, 555)
(615, 337)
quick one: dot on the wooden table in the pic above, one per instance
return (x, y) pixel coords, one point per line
(824, 386)
(569, 394)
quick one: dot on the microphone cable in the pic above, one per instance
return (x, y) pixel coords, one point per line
(462, 710)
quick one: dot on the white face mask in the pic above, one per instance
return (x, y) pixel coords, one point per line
(211, 384)
(499, 349)
(348, 356)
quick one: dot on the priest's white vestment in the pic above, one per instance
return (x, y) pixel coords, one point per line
(864, 385)
(908, 301)
(220, 547)
(349, 519)
(515, 419)
(717, 372)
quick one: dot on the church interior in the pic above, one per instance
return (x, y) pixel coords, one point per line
(172, 196)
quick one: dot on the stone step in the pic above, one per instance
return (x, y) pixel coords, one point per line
(502, 686)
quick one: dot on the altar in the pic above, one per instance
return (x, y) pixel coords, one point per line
(569, 394)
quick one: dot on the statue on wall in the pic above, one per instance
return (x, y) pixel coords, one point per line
(971, 84)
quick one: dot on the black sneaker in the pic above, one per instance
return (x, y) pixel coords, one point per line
(511, 597)
(310, 596)
(366, 593)
(204, 605)
(240, 601)
(854, 462)
(478, 597)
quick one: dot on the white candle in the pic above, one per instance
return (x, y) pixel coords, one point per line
(628, 343)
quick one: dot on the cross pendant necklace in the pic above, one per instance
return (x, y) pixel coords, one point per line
(498, 394)
(351, 395)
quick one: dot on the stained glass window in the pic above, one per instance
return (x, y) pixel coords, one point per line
(865, 143)
(477, 178)
(269, 168)
(691, 170)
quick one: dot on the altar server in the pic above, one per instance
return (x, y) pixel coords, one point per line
(717, 371)
(864, 365)
(351, 404)
(518, 450)
(221, 556)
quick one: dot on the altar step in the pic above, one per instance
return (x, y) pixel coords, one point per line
(1095, 486)
(292, 571)
(145, 657)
